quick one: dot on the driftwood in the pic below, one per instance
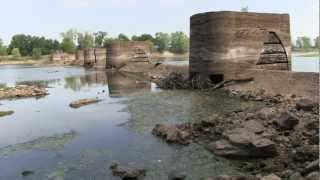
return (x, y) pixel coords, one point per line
(225, 83)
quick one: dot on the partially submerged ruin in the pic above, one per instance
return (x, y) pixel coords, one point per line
(222, 42)
(118, 54)
(228, 46)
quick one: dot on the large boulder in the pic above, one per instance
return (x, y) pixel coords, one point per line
(171, 134)
(271, 177)
(243, 144)
(254, 126)
(287, 121)
(306, 105)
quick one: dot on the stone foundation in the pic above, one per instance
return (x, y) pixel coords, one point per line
(251, 40)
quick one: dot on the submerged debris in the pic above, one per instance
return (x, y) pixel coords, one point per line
(21, 91)
(6, 113)
(27, 173)
(127, 172)
(83, 102)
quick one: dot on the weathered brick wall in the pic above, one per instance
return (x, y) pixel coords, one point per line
(124, 52)
(254, 40)
(100, 58)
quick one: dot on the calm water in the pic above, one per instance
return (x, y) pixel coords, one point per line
(57, 142)
(299, 64)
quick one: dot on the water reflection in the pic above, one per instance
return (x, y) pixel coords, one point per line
(121, 84)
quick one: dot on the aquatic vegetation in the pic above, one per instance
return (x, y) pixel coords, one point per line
(52, 143)
(180, 106)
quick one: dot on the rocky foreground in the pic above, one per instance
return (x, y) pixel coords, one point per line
(280, 141)
(22, 91)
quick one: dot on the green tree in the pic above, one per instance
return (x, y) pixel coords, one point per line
(143, 37)
(162, 41)
(99, 38)
(107, 42)
(317, 42)
(68, 41)
(23, 43)
(303, 43)
(3, 49)
(123, 37)
(179, 42)
(85, 40)
(15, 53)
(36, 53)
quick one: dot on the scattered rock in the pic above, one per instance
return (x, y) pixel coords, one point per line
(83, 102)
(27, 173)
(287, 121)
(313, 166)
(254, 126)
(243, 144)
(22, 91)
(313, 176)
(226, 177)
(171, 134)
(127, 172)
(266, 113)
(6, 113)
(271, 177)
(306, 105)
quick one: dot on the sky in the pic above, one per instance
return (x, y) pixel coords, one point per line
(51, 17)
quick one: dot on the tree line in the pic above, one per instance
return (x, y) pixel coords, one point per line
(304, 43)
(27, 45)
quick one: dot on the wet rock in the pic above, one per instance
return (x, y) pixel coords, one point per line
(83, 102)
(313, 176)
(243, 144)
(271, 177)
(171, 134)
(313, 166)
(306, 153)
(21, 91)
(306, 105)
(287, 121)
(254, 126)
(6, 113)
(296, 176)
(226, 177)
(27, 173)
(174, 175)
(127, 172)
(266, 113)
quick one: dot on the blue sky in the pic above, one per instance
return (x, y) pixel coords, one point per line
(50, 17)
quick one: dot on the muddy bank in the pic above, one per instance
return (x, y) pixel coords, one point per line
(22, 91)
(281, 139)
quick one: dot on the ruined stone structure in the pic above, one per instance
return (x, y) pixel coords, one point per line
(60, 56)
(124, 52)
(239, 45)
(224, 42)
(89, 57)
(80, 57)
(100, 58)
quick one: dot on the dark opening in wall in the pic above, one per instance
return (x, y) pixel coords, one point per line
(216, 78)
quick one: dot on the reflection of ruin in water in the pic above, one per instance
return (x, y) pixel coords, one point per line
(121, 84)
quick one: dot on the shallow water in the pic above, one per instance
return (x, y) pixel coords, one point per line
(48, 137)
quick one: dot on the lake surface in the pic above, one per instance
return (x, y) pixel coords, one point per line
(56, 142)
(298, 64)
